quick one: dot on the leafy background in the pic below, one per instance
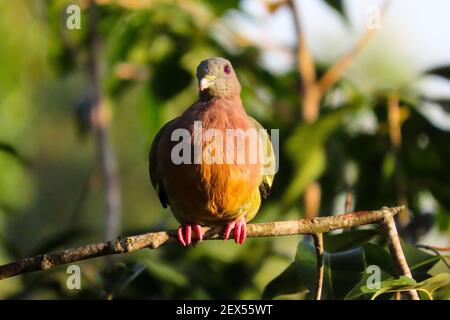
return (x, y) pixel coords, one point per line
(51, 190)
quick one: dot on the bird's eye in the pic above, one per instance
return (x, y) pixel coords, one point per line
(227, 69)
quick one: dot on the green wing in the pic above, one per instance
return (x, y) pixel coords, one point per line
(153, 166)
(268, 169)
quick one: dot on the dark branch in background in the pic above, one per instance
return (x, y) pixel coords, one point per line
(395, 135)
(313, 89)
(309, 100)
(437, 252)
(306, 69)
(318, 244)
(311, 94)
(395, 248)
(81, 199)
(154, 240)
(13, 152)
(99, 122)
(348, 201)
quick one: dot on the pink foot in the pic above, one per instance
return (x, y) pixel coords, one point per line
(240, 230)
(185, 234)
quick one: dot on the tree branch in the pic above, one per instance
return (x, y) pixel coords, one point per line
(395, 248)
(154, 240)
(309, 99)
(348, 202)
(395, 135)
(318, 244)
(313, 89)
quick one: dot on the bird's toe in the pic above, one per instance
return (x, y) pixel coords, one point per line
(198, 232)
(184, 234)
(240, 230)
(230, 226)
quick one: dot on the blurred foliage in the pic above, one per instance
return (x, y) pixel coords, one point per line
(346, 270)
(436, 287)
(50, 190)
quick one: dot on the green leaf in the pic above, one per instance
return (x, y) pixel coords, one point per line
(437, 287)
(442, 220)
(14, 177)
(165, 272)
(419, 261)
(9, 149)
(341, 272)
(306, 149)
(119, 277)
(444, 103)
(442, 71)
(374, 254)
(400, 282)
(337, 5)
(298, 277)
(306, 172)
(220, 7)
(357, 292)
(347, 239)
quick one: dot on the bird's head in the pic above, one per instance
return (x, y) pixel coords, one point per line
(216, 77)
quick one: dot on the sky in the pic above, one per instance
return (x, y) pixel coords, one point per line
(418, 29)
(414, 37)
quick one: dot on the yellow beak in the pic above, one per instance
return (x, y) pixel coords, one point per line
(206, 82)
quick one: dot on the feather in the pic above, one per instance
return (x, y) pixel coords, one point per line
(153, 168)
(212, 193)
(267, 179)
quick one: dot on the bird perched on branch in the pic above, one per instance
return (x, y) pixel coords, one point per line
(212, 177)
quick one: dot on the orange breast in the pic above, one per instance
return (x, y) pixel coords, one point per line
(213, 190)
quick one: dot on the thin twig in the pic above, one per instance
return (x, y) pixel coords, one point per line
(312, 197)
(394, 120)
(309, 97)
(395, 248)
(395, 135)
(81, 198)
(436, 251)
(318, 244)
(440, 248)
(348, 201)
(154, 240)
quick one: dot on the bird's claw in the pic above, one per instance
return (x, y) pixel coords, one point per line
(185, 234)
(240, 230)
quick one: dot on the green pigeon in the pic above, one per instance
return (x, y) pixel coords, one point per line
(226, 190)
